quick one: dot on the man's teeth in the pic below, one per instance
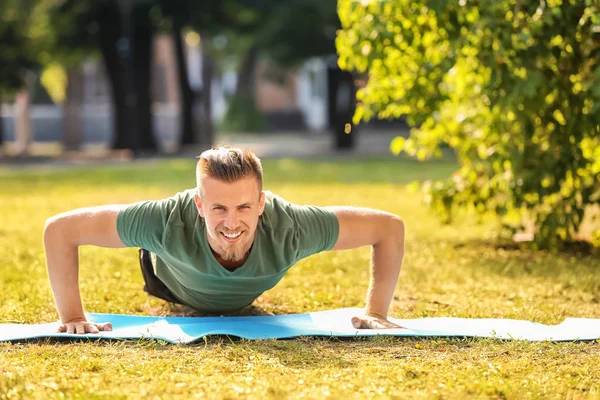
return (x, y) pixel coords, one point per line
(232, 235)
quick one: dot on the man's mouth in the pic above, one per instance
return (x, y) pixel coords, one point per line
(231, 237)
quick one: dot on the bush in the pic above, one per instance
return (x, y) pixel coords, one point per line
(513, 86)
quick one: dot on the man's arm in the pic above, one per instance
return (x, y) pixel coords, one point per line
(63, 234)
(385, 232)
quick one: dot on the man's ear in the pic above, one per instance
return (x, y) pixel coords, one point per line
(261, 203)
(199, 205)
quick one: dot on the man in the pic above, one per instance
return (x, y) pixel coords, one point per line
(219, 246)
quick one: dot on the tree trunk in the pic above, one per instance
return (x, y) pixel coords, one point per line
(242, 113)
(187, 135)
(109, 33)
(207, 133)
(246, 83)
(341, 105)
(137, 134)
(72, 119)
(22, 126)
(142, 52)
(1, 126)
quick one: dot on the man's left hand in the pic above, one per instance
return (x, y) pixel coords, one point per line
(373, 321)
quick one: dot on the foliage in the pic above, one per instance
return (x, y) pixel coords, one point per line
(16, 58)
(300, 29)
(243, 116)
(72, 30)
(492, 282)
(512, 86)
(46, 35)
(54, 78)
(287, 33)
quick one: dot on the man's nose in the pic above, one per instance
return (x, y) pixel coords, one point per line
(232, 221)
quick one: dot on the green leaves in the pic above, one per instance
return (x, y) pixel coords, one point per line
(512, 86)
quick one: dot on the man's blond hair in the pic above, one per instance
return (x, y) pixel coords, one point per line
(228, 165)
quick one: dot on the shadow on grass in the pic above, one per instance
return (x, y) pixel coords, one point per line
(578, 264)
(578, 248)
(179, 310)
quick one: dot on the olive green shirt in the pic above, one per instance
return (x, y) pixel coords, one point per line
(174, 231)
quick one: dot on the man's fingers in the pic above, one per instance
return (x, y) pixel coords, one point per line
(81, 328)
(382, 324)
(105, 327)
(357, 322)
(372, 323)
(388, 324)
(96, 328)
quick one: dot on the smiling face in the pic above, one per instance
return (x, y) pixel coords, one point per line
(231, 211)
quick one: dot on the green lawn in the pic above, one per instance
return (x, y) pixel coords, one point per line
(448, 271)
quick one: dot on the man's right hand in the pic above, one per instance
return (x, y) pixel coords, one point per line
(63, 235)
(81, 327)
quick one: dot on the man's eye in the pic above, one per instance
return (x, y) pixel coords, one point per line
(219, 208)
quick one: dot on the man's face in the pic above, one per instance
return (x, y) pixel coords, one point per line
(231, 212)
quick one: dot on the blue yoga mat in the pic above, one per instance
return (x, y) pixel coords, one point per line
(323, 323)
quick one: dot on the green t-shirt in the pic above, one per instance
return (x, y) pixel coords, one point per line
(173, 230)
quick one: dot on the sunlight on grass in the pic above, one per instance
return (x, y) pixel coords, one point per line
(448, 271)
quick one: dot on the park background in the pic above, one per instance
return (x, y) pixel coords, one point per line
(477, 123)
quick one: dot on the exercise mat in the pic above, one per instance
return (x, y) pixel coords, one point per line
(332, 323)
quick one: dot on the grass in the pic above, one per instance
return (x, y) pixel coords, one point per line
(448, 271)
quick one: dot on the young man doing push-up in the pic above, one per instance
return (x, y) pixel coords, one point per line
(219, 246)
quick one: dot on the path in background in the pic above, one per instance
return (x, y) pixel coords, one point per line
(284, 145)
(368, 143)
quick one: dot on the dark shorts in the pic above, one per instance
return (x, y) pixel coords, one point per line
(152, 285)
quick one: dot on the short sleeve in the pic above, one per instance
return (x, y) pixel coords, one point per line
(143, 224)
(317, 229)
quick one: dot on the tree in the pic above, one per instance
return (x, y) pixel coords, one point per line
(61, 34)
(179, 14)
(69, 44)
(512, 86)
(286, 32)
(208, 18)
(241, 22)
(16, 59)
(299, 29)
(80, 29)
(207, 130)
(125, 38)
(341, 95)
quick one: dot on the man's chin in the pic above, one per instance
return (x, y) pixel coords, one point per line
(229, 254)
(232, 257)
